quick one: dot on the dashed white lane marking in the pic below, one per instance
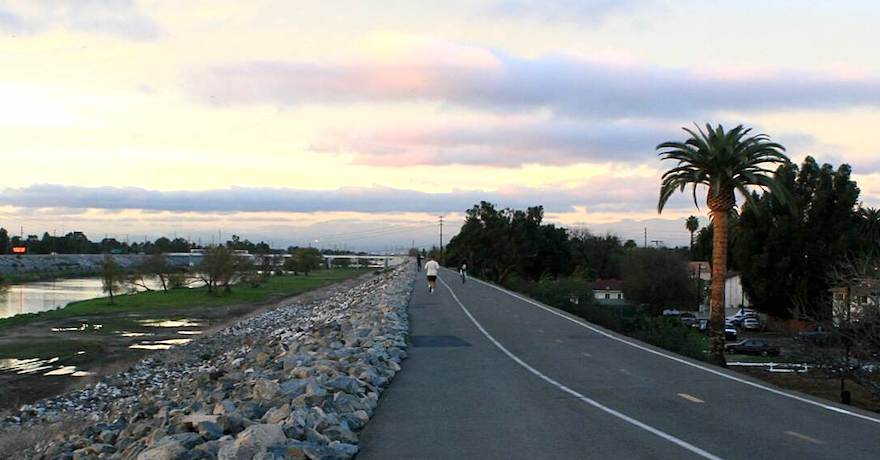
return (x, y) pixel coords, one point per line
(626, 372)
(586, 354)
(683, 361)
(804, 437)
(596, 404)
(691, 398)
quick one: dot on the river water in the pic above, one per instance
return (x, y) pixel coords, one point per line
(48, 295)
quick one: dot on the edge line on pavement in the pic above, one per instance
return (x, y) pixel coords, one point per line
(583, 323)
(594, 403)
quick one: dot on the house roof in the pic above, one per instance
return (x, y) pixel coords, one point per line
(607, 285)
(699, 266)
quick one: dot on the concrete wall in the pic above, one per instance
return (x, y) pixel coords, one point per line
(63, 262)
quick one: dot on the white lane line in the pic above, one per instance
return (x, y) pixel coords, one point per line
(596, 404)
(586, 354)
(626, 372)
(691, 398)
(682, 361)
(804, 437)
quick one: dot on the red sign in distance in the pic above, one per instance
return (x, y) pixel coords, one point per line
(19, 249)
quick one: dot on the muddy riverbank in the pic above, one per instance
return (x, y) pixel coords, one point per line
(47, 357)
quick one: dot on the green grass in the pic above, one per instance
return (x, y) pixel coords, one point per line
(180, 299)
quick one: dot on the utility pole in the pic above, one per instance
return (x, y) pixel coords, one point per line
(441, 239)
(646, 238)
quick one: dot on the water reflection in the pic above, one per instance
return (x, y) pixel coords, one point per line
(48, 295)
(159, 344)
(134, 334)
(31, 366)
(169, 323)
(82, 327)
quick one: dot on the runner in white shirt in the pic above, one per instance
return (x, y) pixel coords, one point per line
(431, 270)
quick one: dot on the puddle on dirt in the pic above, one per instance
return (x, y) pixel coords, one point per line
(169, 323)
(30, 366)
(134, 334)
(82, 327)
(159, 344)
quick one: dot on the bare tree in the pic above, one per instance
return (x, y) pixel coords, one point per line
(158, 266)
(846, 345)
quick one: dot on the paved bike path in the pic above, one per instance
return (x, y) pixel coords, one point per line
(535, 384)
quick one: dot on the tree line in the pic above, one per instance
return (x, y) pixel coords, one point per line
(79, 243)
(219, 270)
(515, 247)
(787, 251)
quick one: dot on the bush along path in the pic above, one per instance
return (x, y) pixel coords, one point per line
(297, 381)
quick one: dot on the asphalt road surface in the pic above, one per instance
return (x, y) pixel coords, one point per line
(494, 375)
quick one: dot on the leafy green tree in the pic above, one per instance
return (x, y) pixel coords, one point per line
(4, 241)
(309, 259)
(596, 256)
(218, 268)
(725, 162)
(112, 277)
(499, 243)
(657, 278)
(785, 257)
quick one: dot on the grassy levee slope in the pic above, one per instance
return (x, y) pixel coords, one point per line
(274, 287)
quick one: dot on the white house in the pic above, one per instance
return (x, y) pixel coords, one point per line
(608, 290)
(734, 296)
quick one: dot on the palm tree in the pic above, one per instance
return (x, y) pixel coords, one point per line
(692, 224)
(870, 228)
(725, 162)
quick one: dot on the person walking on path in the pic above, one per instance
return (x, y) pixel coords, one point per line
(463, 272)
(432, 269)
(418, 262)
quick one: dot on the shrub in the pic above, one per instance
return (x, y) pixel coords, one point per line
(573, 295)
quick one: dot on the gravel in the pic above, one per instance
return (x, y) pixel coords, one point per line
(297, 381)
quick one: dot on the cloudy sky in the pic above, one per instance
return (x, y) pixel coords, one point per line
(357, 123)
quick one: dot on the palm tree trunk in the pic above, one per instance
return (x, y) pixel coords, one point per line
(691, 251)
(719, 275)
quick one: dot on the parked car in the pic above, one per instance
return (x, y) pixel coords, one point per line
(729, 332)
(701, 325)
(752, 347)
(687, 318)
(818, 336)
(752, 324)
(737, 318)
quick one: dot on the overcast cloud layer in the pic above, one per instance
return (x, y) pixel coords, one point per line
(123, 18)
(487, 79)
(598, 195)
(135, 116)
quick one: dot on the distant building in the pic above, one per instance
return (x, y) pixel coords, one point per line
(608, 291)
(700, 270)
(734, 295)
(862, 296)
